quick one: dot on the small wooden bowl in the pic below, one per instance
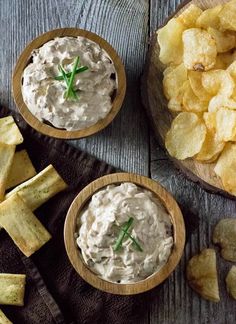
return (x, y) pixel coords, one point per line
(74, 253)
(24, 60)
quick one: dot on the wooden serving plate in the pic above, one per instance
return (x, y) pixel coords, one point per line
(159, 115)
(24, 60)
(71, 228)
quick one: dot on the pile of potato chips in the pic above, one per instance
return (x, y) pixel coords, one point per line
(199, 49)
(17, 205)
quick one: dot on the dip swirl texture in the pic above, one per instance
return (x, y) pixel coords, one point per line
(45, 96)
(100, 224)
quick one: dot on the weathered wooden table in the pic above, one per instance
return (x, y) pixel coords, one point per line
(128, 143)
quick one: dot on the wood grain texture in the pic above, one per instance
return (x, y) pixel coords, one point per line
(26, 57)
(71, 228)
(202, 210)
(125, 143)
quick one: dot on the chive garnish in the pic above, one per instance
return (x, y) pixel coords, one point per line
(68, 74)
(65, 78)
(124, 232)
(71, 80)
(133, 240)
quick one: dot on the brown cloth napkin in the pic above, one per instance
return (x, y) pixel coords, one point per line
(55, 293)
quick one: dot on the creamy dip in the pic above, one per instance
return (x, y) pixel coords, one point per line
(45, 96)
(99, 227)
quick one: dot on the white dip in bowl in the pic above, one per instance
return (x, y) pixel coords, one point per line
(45, 96)
(102, 223)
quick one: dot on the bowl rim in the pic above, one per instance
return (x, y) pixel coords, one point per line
(75, 256)
(23, 61)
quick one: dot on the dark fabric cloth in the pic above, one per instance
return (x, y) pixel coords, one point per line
(55, 293)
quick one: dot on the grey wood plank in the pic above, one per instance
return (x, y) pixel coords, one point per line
(125, 25)
(202, 210)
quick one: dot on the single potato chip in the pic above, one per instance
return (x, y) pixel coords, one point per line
(202, 275)
(192, 103)
(175, 104)
(225, 235)
(195, 79)
(232, 70)
(170, 41)
(210, 121)
(9, 132)
(173, 80)
(224, 41)
(231, 282)
(37, 190)
(220, 101)
(21, 170)
(12, 289)
(226, 124)
(211, 148)
(218, 82)
(186, 136)
(226, 168)
(190, 15)
(199, 50)
(22, 225)
(6, 159)
(4, 319)
(209, 18)
(227, 16)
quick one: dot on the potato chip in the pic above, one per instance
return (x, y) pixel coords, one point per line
(4, 319)
(170, 37)
(210, 121)
(22, 225)
(186, 136)
(21, 170)
(231, 282)
(37, 190)
(227, 58)
(199, 50)
(12, 289)
(226, 124)
(219, 102)
(202, 275)
(225, 235)
(189, 16)
(176, 103)
(227, 16)
(192, 103)
(173, 80)
(6, 159)
(218, 82)
(9, 132)
(195, 79)
(224, 41)
(226, 168)
(232, 70)
(211, 148)
(209, 18)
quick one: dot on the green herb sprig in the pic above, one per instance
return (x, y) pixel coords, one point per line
(68, 74)
(69, 78)
(124, 232)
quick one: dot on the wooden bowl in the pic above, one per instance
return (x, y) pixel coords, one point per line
(74, 253)
(156, 106)
(24, 60)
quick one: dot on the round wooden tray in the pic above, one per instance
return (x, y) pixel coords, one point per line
(24, 60)
(74, 253)
(156, 107)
